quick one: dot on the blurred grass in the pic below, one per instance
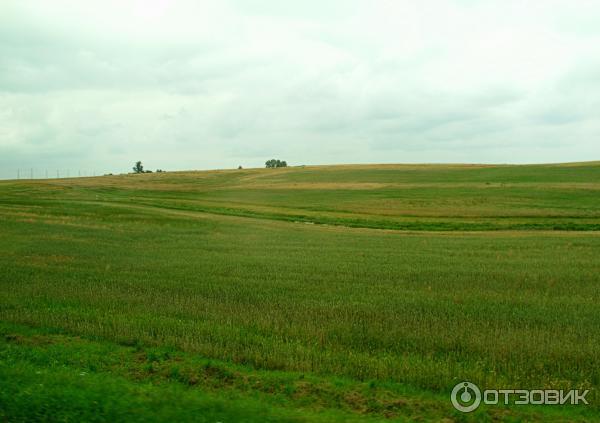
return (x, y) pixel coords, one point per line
(50, 376)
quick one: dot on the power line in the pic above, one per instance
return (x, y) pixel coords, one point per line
(35, 173)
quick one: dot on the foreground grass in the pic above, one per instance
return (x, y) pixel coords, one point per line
(51, 376)
(389, 321)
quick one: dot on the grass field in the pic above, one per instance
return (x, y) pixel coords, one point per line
(329, 293)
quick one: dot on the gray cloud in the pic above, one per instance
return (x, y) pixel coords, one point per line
(182, 84)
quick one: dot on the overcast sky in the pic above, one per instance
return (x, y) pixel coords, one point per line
(96, 85)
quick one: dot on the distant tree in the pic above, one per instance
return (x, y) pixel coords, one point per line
(138, 168)
(159, 171)
(240, 167)
(273, 163)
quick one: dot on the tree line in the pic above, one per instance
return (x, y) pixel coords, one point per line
(273, 163)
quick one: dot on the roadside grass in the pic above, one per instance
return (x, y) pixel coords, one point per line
(48, 375)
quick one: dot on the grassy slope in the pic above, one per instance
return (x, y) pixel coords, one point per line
(333, 316)
(430, 197)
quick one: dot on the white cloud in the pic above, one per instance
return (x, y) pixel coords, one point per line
(187, 84)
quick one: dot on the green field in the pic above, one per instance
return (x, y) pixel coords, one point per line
(318, 293)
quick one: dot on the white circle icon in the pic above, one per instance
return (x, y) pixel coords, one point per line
(466, 397)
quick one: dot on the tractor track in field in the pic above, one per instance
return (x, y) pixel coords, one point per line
(355, 224)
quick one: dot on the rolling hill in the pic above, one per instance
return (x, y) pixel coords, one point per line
(316, 293)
